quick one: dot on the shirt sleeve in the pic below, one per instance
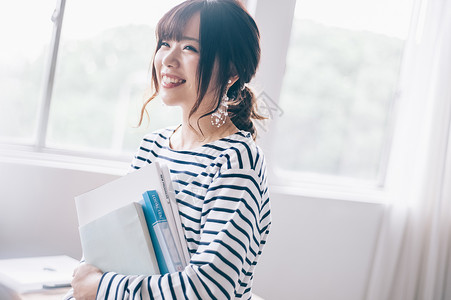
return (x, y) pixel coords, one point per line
(69, 295)
(233, 233)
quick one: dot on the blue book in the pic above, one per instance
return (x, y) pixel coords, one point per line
(168, 258)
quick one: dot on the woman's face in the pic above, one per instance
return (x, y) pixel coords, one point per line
(176, 64)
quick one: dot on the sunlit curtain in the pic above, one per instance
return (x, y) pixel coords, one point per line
(413, 253)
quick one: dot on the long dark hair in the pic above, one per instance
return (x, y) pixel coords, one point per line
(229, 36)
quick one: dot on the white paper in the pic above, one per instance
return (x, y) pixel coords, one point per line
(117, 193)
(179, 236)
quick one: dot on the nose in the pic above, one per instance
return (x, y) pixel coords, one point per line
(171, 58)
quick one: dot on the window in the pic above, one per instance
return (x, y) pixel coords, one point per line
(339, 85)
(340, 82)
(25, 28)
(102, 74)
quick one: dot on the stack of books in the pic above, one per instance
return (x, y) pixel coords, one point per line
(132, 225)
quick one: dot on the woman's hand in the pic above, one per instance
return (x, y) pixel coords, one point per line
(86, 281)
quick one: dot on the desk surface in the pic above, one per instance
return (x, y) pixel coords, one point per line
(45, 295)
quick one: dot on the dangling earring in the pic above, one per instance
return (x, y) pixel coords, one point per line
(219, 117)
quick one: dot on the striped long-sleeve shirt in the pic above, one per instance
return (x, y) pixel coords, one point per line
(222, 195)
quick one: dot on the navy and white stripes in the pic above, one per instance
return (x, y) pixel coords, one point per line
(222, 194)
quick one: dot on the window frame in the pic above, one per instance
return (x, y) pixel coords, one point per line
(37, 153)
(49, 77)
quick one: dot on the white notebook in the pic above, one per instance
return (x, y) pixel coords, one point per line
(120, 242)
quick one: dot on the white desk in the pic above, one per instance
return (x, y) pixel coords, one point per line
(52, 294)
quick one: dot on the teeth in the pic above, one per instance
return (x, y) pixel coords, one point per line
(167, 79)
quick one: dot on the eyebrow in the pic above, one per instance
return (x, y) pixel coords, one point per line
(190, 38)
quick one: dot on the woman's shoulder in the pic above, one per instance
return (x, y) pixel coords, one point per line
(154, 141)
(159, 134)
(243, 159)
(243, 152)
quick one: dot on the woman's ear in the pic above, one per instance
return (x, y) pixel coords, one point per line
(232, 81)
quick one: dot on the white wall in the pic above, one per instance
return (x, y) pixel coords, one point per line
(37, 209)
(318, 249)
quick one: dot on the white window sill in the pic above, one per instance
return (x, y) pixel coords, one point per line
(323, 187)
(322, 191)
(54, 158)
(327, 187)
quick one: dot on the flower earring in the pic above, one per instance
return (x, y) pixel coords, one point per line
(219, 117)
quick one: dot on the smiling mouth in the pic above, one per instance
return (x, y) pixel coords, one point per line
(169, 81)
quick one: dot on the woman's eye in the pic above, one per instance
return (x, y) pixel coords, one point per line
(191, 48)
(165, 44)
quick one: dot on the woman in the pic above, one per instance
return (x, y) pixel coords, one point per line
(207, 52)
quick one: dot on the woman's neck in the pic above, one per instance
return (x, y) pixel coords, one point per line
(192, 134)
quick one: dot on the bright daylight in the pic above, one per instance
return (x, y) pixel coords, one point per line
(225, 149)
